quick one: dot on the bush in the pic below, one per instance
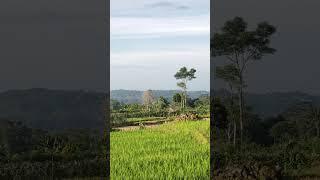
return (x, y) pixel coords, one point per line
(42, 170)
(118, 118)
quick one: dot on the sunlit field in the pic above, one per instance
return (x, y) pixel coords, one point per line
(175, 150)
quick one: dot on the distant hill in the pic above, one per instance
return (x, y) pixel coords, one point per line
(271, 104)
(53, 109)
(131, 96)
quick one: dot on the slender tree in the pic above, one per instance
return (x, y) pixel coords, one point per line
(148, 99)
(242, 46)
(229, 74)
(185, 76)
(183, 86)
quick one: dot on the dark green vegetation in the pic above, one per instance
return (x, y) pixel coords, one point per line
(47, 134)
(32, 153)
(272, 136)
(289, 141)
(156, 109)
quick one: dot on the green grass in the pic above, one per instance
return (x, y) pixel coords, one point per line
(178, 150)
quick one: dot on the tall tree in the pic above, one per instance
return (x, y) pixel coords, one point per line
(242, 46)
(228, 73)
(183, 95)
(148, 99)
(184, 75)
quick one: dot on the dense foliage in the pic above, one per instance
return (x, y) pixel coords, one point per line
(31, 153)
(160, 107)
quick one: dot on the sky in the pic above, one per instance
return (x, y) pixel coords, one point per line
(152, 39)
(295, 65)
(53, 44)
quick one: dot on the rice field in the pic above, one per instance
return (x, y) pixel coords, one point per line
(176, 150)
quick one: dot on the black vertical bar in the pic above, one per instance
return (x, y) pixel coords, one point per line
(211, 94)
(107, 106)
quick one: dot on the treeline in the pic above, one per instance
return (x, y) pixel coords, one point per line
(132, 96)
(289, 141)
(158, 107)
(300, 121)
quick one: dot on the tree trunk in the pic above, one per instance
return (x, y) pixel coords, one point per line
(318, 130)
(233, 116)
(234, 132)
(185, 94)
(229, 133)
(241, 108)
(181, 101)
(52, 165)
(185, 99)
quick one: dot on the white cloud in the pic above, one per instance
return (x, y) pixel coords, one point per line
(155, 69)
(151, 56)
(145, 27)
(128, 5)
(160, 59)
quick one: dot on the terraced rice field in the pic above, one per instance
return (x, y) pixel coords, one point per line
(176, 150)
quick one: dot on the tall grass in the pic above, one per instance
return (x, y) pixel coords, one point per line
(178, 150)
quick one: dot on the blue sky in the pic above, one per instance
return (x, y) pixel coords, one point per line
(152, 39)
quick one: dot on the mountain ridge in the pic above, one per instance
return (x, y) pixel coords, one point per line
(135, 96)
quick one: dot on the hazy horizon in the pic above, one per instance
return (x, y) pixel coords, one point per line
(101, 91)
(154, 90)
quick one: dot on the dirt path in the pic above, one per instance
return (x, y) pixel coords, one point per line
(149, 124)
(146, 124)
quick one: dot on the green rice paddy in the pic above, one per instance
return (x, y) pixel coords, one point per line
(176, 150)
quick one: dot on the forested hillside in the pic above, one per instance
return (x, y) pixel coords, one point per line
(272, 104)
(53, 109)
